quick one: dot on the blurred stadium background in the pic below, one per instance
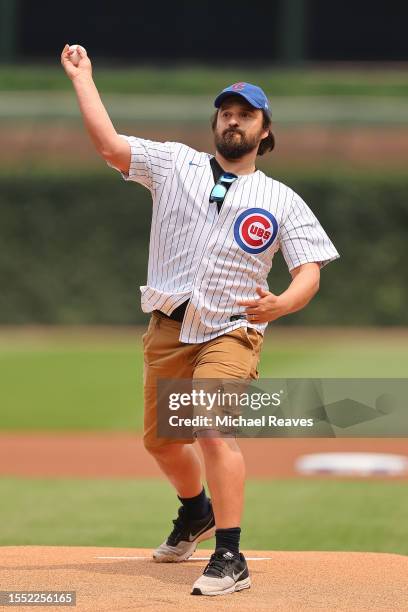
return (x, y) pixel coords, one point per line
(74, 237)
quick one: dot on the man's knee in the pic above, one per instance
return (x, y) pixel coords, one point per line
(152, 446)
(161, 448)
(216, 443)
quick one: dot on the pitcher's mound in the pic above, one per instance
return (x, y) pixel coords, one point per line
(127, 579)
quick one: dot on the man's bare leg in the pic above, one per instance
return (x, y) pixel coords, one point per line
(182, 466)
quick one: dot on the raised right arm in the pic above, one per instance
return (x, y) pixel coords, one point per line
(108, 143)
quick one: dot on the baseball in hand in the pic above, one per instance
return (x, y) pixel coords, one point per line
(74, 56)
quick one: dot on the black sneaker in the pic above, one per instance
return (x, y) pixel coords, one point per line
(185, 536)
(225, 573)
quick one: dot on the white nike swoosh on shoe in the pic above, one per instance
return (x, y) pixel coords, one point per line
(236, 576)
(192, 537)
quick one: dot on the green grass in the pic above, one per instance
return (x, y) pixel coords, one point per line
(350, 360)
(72, 389)
(279, 515)
(91, 384)
(207, 80)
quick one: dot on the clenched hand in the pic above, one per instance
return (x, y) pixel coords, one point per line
(84, 66)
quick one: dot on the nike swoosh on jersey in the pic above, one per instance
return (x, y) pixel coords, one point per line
(236, 576)
(191, 163)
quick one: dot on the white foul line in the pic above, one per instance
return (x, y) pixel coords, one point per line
(191, 558)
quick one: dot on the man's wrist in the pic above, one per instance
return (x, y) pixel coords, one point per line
(286, 302)
(83, 78)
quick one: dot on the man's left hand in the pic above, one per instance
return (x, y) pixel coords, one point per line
(267, 307)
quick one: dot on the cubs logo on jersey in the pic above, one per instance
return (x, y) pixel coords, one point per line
(255, 230)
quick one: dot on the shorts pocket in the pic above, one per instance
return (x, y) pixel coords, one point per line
(147, 334)
(255, 340)
(252, 337)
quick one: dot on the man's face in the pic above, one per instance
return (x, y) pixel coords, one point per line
(239, 128)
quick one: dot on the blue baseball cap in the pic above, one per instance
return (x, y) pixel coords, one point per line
(251, 93)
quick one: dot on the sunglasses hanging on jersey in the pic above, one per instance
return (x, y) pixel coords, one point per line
(219, 191)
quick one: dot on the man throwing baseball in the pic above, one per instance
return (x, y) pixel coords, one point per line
(217, 222)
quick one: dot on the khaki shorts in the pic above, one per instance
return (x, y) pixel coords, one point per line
(233, 355)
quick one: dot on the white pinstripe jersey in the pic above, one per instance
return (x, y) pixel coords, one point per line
(216, 259)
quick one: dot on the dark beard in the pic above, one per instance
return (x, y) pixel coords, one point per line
(231, 147)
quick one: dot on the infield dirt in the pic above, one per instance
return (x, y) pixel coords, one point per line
(114, 579)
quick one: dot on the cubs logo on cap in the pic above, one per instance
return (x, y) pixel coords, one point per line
(253, 94)
(255, 230)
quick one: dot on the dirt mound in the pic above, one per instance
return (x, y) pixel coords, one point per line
(127, 579)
